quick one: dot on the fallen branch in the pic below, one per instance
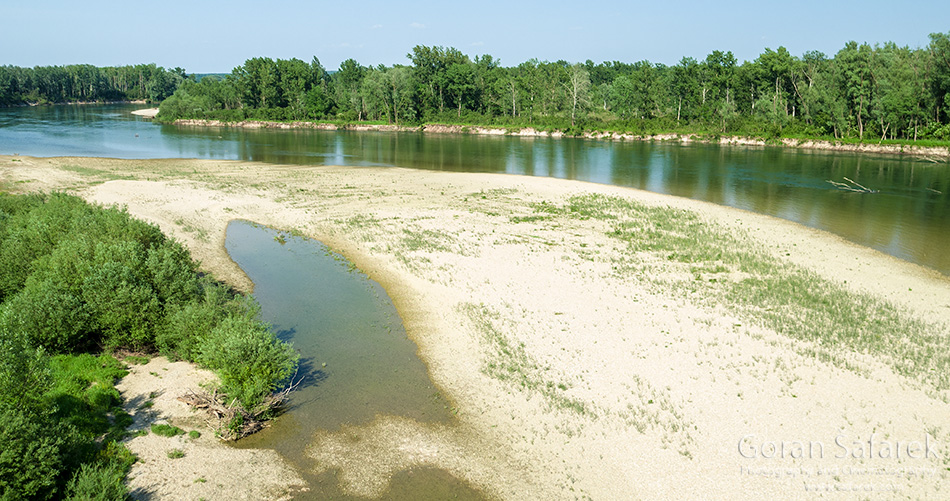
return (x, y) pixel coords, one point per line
(852, 186)
(232, 421)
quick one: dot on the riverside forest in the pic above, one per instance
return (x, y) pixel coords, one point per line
(863, 92)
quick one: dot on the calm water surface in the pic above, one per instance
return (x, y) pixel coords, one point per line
(356, 360)
(909, 217)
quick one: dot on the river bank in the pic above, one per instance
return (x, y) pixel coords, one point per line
(595, 340)
(887, 149)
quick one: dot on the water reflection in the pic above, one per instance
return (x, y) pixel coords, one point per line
(906, 218)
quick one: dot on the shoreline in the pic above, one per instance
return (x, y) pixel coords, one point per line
(146, 112)
(578, 367)
(924, 151)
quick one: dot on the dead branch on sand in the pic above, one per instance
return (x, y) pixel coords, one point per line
(232, 421)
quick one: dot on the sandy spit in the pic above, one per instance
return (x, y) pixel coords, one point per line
(147, 112)
(669, 386)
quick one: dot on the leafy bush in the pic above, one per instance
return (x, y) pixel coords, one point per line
(53, 318)
(74, 278)
(98, 482)
(248, 358)
(31, 453)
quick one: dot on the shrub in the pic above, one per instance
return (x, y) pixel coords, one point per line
(173, 273)
(55, 319)
(104, 479)
(31, 447)
(99, 482)
(248, 358)
(125, 309)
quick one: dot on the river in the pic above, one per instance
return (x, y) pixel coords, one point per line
(908, 216)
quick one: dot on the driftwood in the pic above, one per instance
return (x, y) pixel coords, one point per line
(230, 420)
(852, 186)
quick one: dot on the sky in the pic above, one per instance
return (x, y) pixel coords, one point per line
(216, 36)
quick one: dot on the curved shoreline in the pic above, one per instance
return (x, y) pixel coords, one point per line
(925, 151)
(620, 383)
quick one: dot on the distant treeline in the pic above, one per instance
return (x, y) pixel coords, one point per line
(863, 91)
(86, 83)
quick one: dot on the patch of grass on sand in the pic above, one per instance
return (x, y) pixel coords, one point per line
(509, 362)
(677, 251)
(95, 173)
(167, 430)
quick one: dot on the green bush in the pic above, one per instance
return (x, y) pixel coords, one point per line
(53, 318)
(75, 278)
(98, 482)
(248, 358)
(126, 310)
(173, 273)
(31, 454)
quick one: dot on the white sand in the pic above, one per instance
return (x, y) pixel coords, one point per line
(147, 112)
(670, 385)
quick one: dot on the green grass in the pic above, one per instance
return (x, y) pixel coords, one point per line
(677, 251)
(136, 360)
(508, 361)
(176, 454)
(84, 393)
(167, 430)
(92, 172)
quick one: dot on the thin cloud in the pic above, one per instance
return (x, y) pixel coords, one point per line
(376, 27)
(478, 44)
(417, 26)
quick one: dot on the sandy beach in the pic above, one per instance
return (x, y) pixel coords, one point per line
(585, 359)
(147, 112)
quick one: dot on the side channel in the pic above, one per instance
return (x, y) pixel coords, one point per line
(356, 359)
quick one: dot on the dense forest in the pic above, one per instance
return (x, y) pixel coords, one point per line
(86, 83)
(863, 92)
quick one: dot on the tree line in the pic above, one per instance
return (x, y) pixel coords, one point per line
(86, 83)
(864, 92)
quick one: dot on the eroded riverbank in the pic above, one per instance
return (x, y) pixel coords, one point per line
(595, 341)
(815, 144)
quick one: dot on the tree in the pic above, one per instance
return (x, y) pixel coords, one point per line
(578, 88)
(430, 70)
(460, 85)
(940, 52)
(855, 80)
(346, 83)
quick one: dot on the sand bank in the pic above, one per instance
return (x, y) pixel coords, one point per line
(578, 367)
(147, 112)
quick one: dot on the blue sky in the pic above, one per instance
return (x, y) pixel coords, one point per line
(215, 36)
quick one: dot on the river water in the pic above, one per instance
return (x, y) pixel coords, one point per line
(908, 217)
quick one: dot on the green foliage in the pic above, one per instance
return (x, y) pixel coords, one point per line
(74, 278)
(167, 430)
(98, 482)
(862, 92)
(32, 449)
(249, 359)
(86, 83)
